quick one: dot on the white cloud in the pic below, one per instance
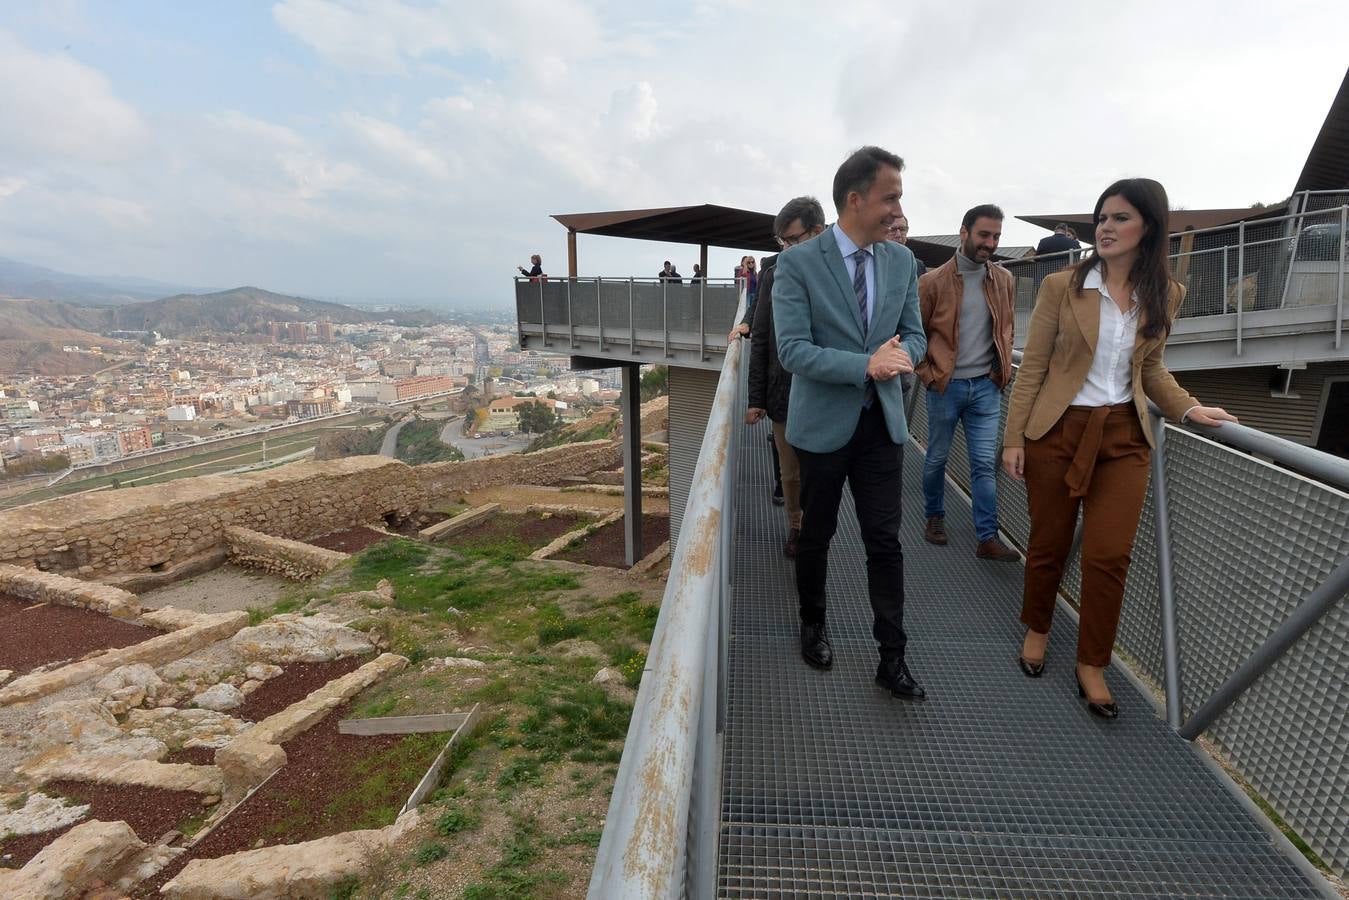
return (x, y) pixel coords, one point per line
(54, 106)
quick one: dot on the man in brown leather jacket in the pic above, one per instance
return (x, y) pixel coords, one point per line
(967, 307)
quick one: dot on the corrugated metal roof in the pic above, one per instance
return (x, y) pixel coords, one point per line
(716, 226)
(1181, 219)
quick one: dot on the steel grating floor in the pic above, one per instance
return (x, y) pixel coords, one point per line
(997, 786)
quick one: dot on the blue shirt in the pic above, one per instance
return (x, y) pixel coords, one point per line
(848, 248)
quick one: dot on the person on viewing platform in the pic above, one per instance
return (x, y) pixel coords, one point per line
(669, 273)
(845, 309)
(899, 233)
(967, 307)
(698, 273)
(535, 269)
(770, 385)
(1077, 423)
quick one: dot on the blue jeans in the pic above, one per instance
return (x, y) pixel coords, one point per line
(976, 402)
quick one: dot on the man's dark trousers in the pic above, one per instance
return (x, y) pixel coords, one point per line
(871, 463)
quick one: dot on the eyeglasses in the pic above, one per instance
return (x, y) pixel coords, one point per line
(791, 240)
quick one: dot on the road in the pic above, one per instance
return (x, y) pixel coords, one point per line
(390, 445)
(453, 435)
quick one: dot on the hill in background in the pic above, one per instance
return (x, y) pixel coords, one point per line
(22, 280)
(241, 310)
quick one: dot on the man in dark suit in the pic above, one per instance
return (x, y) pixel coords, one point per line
(770, 385)
(845, 308)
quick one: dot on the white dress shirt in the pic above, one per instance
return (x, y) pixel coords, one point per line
(848, 248)
(1110, 379)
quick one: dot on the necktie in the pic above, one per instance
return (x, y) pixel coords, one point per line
(859, 283)
(859, 287)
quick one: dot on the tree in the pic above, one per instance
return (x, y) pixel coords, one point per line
(536, 418)
(655, 383)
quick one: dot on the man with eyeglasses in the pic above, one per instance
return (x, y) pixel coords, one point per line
(769, 384)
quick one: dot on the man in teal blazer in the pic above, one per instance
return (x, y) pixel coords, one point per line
(845, 309)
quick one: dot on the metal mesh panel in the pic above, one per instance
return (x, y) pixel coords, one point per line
(691, 395)
(995, 787)
(1249, 542)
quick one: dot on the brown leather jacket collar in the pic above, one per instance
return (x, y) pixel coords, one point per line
(939, 295)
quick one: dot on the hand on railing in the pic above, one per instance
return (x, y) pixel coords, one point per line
(738, 331)
(754, 414)
(1212, 416)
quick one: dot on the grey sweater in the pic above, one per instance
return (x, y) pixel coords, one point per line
(974, 350)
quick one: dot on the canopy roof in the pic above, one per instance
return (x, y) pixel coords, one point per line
(716, 226)
(1181, 219)
(1327, 166)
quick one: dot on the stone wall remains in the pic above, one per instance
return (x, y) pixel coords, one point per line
(544, 467)
(293, 560)
(47, 587)
(135, 529)
(115, 533)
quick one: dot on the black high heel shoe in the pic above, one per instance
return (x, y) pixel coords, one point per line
(1104, 710)
(1028, 668)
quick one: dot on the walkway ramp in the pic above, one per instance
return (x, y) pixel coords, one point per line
(997, 786)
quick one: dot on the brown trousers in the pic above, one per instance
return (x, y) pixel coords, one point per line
(1096, 458)
(791, 474)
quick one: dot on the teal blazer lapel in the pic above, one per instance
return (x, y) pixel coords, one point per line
(833, 261)
(881, 281)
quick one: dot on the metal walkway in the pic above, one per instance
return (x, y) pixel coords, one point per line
(997, 786)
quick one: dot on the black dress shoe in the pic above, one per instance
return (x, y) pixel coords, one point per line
(894, 676)
(815, 647)
(1104, 710)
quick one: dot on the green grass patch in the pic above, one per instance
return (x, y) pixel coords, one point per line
(428, 852)
(259, 614)
(456, 819)
(345, 889)
(419, 443)
(384, 781)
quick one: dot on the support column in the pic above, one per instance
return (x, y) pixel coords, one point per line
(631, 404)
(702, 260)
(571, 253)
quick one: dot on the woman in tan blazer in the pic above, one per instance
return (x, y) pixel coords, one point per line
(1077, 421)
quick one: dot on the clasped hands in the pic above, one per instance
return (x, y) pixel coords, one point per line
(890, 360)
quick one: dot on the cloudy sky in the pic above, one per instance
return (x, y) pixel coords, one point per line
(415, 150)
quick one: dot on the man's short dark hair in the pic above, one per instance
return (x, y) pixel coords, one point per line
(807, 209)
(858, 172)
(1062, 226)
(982, 211)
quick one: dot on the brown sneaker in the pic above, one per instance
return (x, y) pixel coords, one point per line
(935, 533)
(789, 548)
(996, 550)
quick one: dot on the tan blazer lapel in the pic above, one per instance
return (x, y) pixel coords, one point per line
(1087, 310)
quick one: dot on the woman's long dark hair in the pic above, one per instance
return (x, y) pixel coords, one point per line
(1151, 272)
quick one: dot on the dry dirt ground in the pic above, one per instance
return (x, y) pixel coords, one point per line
(519, 496)
(219, 590)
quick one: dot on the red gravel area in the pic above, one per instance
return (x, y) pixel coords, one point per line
(294, 805)
(531, 529)
(197, 756)
(53, 633)
(296, 681)
(605, 547)
(349, 540)
(151, 812)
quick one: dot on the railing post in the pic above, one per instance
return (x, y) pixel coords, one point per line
(665, 314)
(571, 320)
(1175, 698)
(543, 320)
(1222, 308)
(599, 310)
(1339, 282)
(1241, 278)
(702, 324)
(632, 321)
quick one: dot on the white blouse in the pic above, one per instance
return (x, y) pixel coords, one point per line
(1110, 379)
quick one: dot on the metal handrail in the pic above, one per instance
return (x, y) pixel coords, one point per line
(1332, 470)
(661, 830)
